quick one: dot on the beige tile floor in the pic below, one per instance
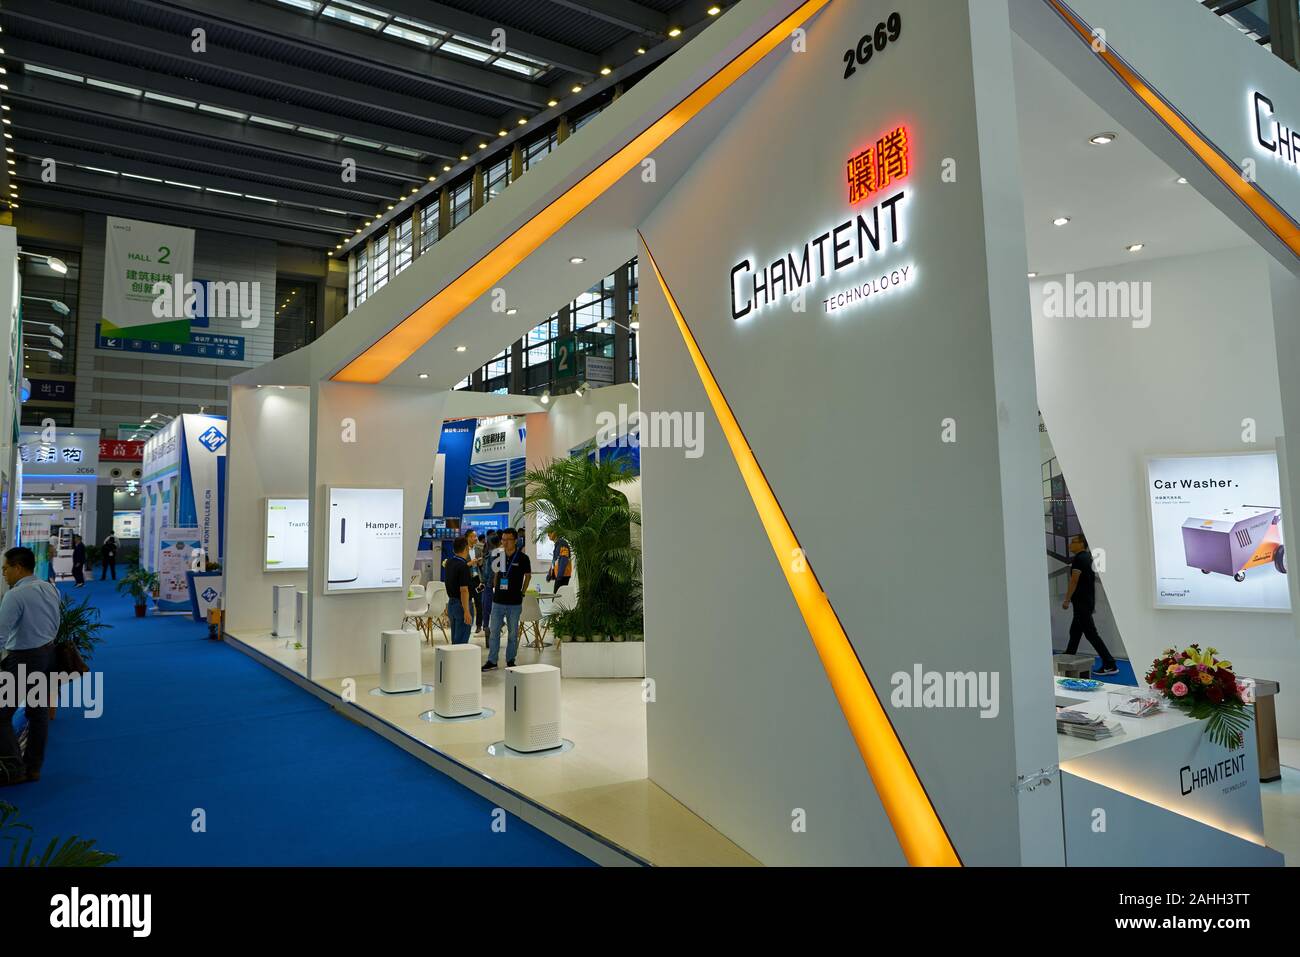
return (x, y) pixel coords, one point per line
(601, 784)
(1281, 800)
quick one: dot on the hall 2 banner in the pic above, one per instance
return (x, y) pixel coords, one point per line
(136, 256)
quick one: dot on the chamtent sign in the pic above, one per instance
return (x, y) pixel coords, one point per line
(138, 255)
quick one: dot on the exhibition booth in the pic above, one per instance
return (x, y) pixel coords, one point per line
(844, 367)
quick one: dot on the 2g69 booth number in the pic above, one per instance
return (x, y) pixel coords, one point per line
(875, 42)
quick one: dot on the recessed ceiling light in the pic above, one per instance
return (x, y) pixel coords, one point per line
(446, 168)
(482, 146)
(511, 312)
(1033, 275)
(576, 89)
(390, 206)
(1135, 247)
(523, 120)
(501, 132)
(460, 348)
(675, 32)
(713, 11)
(640, 51)
(1182, 181)
(605, 71)
(463, 157)
(1103, 139)
(552, 102)
(577, 260)
(1058, 221)
(424, 375)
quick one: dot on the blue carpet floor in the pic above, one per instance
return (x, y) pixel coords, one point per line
(192, 724)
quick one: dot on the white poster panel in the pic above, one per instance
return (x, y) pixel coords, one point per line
(177, 548)
(1216, 528)
(126, 525)
(364, 550)
(286, 534)
(205, 443)
(137, 255)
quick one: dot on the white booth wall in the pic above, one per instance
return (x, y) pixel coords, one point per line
(930, 552)
(268, 458)
(1111, 395)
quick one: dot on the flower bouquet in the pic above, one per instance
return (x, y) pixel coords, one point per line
(1203, 685)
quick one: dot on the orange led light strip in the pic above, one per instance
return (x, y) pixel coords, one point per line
(394, 348)
(916, 823)
(1268, 212)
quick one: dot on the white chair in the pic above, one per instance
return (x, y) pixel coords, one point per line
(416, 611)
(436, 596)
(531, 614)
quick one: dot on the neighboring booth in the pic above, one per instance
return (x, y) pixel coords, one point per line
(844, 367)
(59, 482)
(182, 505)
(11, 388)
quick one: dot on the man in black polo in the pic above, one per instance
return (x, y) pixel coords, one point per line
(1083, 592)
(459, 579)
(510, 574)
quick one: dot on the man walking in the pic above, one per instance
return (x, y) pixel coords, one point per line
(511, 573)
(79, 561)
(460, 591)
(1083, 592)
(29, 621)
(52, 549)
(108, 557)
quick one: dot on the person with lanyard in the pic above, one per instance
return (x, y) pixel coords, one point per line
(459, 579)
(474, 556)
(511, 573)
(561, 563)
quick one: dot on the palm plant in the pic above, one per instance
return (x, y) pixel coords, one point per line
(580, 499)
(73, 852)
(80, 624)
(139, 583)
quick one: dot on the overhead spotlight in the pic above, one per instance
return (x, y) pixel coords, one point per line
(1182, 181)
(605, 71)
(358, 229)
(546, 397)
(675, 32)
(576, 89)
(424, 375)
(1060, 220)
(463, 157)
(390, 206)
(501, 132)
(460, 348)
(432, 178)
(552, 102)
(640, 51)
(713, 11)
(482, 146)
(511, 312)
(1135, 247)
(577, 260)
(1103, 139)
(446, 168)
(1033, 275)
(523, 120)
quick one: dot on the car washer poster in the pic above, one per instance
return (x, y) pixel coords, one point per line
(137, 255)
(1216, 527)
(177, 549)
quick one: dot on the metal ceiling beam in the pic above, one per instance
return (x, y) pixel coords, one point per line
(374, 50)
(27, 88)
(31, 127)
(187, 89)
(149, 43)
(470, 24)
(66, 156)
(137, 191)
(621, 13)
(42, 196)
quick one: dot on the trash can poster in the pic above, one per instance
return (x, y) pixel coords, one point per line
(1217, 532)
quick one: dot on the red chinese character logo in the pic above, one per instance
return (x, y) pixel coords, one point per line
(878, 166)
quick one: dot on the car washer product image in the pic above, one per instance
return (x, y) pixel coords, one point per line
(1234, 540)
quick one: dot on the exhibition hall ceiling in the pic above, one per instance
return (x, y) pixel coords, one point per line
(1115, 195)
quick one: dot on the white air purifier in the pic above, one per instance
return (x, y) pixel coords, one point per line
(300, 617)
(457, 681)
(532, 707)
(399, 661)
(284, 611)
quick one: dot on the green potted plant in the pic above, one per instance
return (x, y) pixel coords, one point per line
(139, 583)
(73, 852)
(581, 502)
(79, 626)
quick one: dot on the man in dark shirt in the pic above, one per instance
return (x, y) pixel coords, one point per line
(459, 579)
(510, 574)
(1083, 592)
(561, 562)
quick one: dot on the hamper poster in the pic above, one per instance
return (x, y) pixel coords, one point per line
(1216, 528)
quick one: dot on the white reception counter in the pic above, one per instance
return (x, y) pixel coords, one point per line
(1159, 793)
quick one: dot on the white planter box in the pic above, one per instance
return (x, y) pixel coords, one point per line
(602, 659)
